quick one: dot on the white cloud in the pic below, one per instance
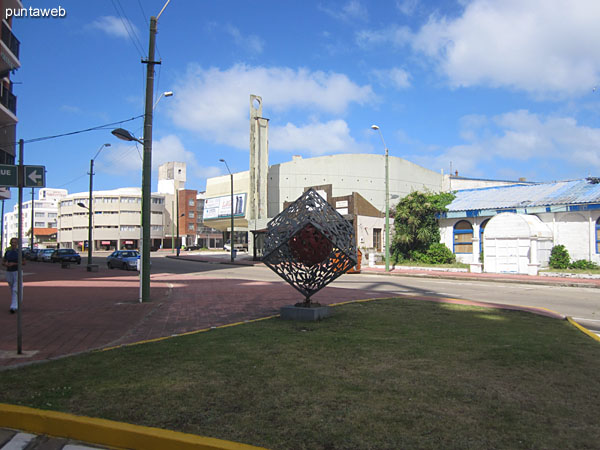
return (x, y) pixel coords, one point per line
(518, 137)
(396, 77)
(407, 7)
(126, 159)
(351, 10)
(315, 138)
(398, 36)
(114, 26)
(249, 42)
(545, 47)
(214, 103)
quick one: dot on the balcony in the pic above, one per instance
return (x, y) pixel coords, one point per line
(9, 51)
(10, 40)
(8, 100)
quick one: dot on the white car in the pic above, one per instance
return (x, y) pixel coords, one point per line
(45, 255)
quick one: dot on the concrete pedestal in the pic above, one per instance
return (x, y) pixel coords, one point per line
(305, 314)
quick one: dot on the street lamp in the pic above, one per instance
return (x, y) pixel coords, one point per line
(387, 201)
(147, 157)
(164, 94)
(90, 209)
(145, 244)
(231, 176)
(178, 238)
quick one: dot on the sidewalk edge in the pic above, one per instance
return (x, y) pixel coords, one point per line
(583, 329)
(108, 432)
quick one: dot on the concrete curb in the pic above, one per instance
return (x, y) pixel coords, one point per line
(108, 432)
(547, 281)
(583, 329)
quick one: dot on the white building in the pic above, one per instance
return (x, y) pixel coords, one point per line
(335, 176)
(45, 213)
(565, 213)
(116, 220)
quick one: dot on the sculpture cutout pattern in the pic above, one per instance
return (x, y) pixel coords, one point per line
(309, 244)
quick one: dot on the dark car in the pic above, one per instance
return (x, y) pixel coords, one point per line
(65, 255)
(32, 255)
(123, 259)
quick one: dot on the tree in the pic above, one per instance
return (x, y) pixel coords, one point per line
(415, 223)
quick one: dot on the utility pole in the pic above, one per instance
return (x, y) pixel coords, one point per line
(21, 175)
(147, 165)
(32, 219)
(90, 217)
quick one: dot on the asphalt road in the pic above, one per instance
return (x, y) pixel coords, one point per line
(583, 304)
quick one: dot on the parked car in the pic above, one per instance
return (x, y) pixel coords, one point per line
(123, 259)
(32, 255)
(192, 248)
(65, 255)
(45, 254)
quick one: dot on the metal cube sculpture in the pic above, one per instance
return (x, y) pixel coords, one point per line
(309, 244)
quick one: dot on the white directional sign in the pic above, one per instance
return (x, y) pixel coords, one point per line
(35, 176)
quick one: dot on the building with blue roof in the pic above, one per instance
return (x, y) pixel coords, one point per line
(570, 210)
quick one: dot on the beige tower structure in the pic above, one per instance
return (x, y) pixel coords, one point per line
(171, 180)
(259, 160)
(259, 169)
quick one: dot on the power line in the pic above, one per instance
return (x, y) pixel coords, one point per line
(129, 28)
(100, 127)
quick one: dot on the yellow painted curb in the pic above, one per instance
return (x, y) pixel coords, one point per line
(108, 432)
(583, 329)
(203, 330)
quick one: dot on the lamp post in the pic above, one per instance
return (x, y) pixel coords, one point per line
(164, 94)
(90, 209)
(387, 201)
(231, 236)
(178, 238)
(147, 157)
(145, 238)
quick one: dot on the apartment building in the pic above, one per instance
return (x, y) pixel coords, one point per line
(40, 214)
(9, 62)
(116, 220)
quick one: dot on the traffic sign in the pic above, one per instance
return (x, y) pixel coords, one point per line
(8, 175)
(35, 176)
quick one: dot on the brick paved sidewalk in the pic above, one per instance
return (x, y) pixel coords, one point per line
(67, 311)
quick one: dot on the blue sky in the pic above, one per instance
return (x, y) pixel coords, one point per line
(495, 89)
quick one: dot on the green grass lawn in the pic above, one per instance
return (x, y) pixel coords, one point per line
(388, 374)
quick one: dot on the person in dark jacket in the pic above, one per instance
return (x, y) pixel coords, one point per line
(11, 262)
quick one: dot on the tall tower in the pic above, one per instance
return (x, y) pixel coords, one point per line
(259, 161)
(171, 177)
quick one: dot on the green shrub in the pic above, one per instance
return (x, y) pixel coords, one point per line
(439, 254)
(559, 257)
(583, 264)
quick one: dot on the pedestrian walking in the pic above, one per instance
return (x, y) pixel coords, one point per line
(11, 262)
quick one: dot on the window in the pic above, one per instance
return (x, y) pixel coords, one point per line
(51, 215)
(191, 214)
(463, 237)
(598, 235)
(377, 239)
(40, 214)
(39, 225)
(191, 202)
(481, 230)
(191, 227)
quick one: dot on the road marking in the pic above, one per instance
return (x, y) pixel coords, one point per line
(19, 441)
(587, 320)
